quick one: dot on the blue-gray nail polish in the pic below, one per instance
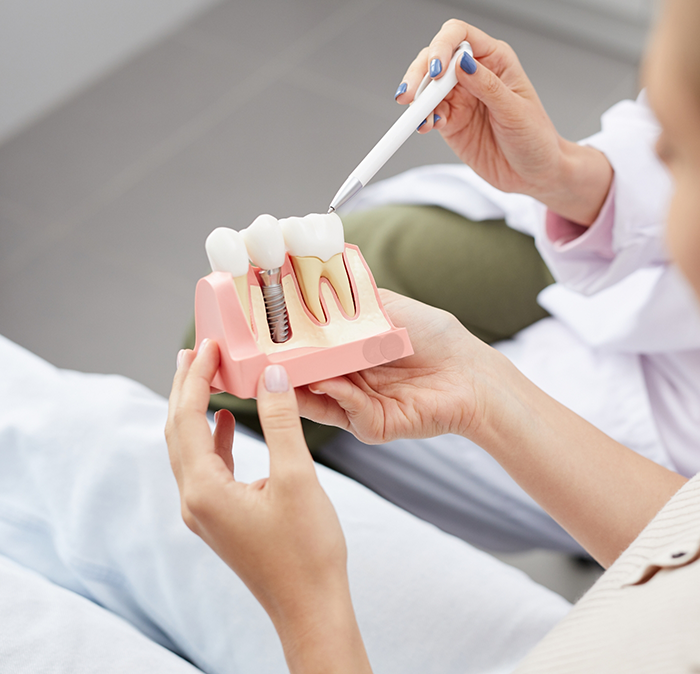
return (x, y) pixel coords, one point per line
(467, 63)
(420, 126)
(436, 118)
(401, 90)
(435, 67)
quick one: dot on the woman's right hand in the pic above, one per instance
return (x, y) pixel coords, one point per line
(495, 123)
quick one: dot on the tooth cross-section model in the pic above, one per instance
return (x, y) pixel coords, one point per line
(227, 252)
(265, 245)
(309, 303)
(315, 244)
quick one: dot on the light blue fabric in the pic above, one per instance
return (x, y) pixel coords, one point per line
(88, 500)
(45, 628)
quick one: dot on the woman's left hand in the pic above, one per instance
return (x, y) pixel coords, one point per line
(446, 386)
(280, 534)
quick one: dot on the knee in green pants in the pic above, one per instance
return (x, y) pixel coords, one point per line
(485, 273)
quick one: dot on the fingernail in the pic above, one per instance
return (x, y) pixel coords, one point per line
(467, 63)
(180, 354)
(315, 392)
(401, 90)
(436, 119)
(435, 67)
(276, 379)
(216, 416)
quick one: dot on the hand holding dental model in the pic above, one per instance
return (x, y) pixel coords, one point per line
(309, 302)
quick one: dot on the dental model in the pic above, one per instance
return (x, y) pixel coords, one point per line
(265, 245)
(315, 244)
(308, 301)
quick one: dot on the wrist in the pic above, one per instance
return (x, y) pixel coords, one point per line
(580, 185)
(322, 635)
(494, 398)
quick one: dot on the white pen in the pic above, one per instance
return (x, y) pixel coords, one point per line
(428, 96)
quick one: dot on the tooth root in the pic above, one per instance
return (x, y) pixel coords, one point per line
(241, 283)
(308, 272)
(334, 270)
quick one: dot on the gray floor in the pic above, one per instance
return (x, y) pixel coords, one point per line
(253, 107)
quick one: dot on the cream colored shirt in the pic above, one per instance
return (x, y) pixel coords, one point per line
(643, 615)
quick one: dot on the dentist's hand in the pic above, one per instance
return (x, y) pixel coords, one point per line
(442, 388)
(280, 534)
(495, 123)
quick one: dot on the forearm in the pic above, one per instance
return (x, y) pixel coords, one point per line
(601, 492)
(581, 184)
(324, 639)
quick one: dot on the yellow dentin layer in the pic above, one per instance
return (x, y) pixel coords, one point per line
(310, 270)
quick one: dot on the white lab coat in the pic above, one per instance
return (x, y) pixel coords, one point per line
(630, 302)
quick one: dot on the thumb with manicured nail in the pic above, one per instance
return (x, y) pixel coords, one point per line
(482, 82)
(279, 418)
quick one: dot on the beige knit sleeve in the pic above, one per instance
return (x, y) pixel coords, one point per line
(643, 615)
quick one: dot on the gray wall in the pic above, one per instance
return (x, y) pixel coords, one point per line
(49, 49)
(632, 10)
(618, 28)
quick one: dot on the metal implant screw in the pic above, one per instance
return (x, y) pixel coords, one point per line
(275, 305)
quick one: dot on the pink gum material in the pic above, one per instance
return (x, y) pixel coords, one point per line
(220, 316)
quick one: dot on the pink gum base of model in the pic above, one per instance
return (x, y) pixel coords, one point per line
(220, 316)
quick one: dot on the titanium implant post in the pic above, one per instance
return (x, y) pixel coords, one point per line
(275, 305)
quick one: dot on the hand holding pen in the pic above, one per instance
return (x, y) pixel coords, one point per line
(494, 121)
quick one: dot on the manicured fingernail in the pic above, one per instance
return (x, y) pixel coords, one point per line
(315, 392)
(420, 126)
(436, 119)
(216, 416)
(203, 345)
(276, 379)
(180, 354)
(401, 90)
(467, 63)
(435, 67)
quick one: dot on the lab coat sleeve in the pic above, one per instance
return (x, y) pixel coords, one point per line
(629, 232)
(617, 288)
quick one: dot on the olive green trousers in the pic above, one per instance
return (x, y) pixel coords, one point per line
(484, 273)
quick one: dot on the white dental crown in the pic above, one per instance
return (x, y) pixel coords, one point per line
(227, 251)
(265, 242)
(314, 235)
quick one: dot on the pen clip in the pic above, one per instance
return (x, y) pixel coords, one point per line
(463, 46)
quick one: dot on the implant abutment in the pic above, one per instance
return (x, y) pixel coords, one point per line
(275, 305)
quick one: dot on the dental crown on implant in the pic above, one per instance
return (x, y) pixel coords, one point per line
(266, 250)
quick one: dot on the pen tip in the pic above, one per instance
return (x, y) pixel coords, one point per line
(331, 209)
